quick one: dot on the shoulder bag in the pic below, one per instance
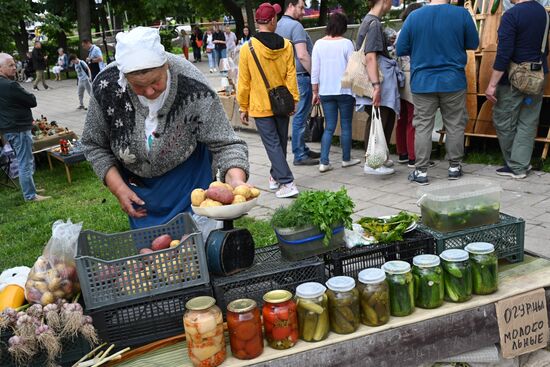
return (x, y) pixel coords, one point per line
(282, 102)
(528, 77)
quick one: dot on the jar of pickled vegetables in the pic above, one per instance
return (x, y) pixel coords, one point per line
(429, 288)
(312, 311)
(484, 263)
(280, 319)
(457, 275)
(375, 297)
(401, 284)
(245, 329)
(203, 324)
(343, 305)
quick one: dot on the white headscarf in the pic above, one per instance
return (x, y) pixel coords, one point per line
(138, 49)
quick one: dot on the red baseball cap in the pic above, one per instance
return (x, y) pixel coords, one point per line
(266, 12)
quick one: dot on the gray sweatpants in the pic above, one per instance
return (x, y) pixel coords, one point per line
(452, 106)
(274, 134)
(84, 84)
(516, 117)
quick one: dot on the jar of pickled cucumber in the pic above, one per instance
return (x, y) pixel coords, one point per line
(401, 284)
(375, 297)
(343, 305)
(203, 324)
(457, 275)
(312, 311)
(280, 319)
(429, 288)
(245, 329)
(484, 263)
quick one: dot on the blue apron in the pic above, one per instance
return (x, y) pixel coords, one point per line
(170, 194)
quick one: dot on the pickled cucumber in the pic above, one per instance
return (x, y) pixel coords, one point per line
(375, 306)
(429, 286)
(485, 276)
(458, 281)
(313, 319)
(401, 294)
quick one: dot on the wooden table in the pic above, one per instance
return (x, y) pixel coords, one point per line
(67, 160)
(45, 143)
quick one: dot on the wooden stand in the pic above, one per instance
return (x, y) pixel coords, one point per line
(66, 160)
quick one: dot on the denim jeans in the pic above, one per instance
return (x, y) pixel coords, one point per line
(299, 148)
(21, 142)
(331, 105)
(219, 54)
(211, 60)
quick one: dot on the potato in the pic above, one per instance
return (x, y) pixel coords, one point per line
(175, 243)
(254, 192)
(220, 194)
(41, 286)
(239, 199)
(54, 284)
(229, 187)
(217, 184)
(67, 287)
(161, 242)
(145, 250)
(213, 203)
(47, 298)
(242, 190)
(197, 197)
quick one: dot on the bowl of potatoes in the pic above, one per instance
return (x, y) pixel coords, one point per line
(222, 201)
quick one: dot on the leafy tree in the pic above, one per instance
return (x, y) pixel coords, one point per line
(13, 13)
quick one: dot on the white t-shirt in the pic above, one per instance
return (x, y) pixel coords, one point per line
(328, 63)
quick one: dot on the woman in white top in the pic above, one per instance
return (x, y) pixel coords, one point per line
(329, 60)
(60, 65)
(209, 40)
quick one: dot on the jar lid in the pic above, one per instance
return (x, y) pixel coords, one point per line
(480, 248)
(241, 305)
(396, 267)
(310, 290)
(454, 255)
(372, 276)
(277, 296)
(200, 303)
(341, 284)
(426, 261)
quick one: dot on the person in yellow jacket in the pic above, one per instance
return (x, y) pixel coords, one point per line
(276, 57)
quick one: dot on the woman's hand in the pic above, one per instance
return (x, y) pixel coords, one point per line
(235, 177)
(376, 96)
(130, 202)
(315, 100)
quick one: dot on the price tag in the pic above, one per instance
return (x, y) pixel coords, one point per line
(523, 323)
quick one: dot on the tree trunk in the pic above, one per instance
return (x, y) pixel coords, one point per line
(22, 40)
(118, 23)
(235, 11)
(84, 23)
(250, 16)
(323, 10)
(62, 40)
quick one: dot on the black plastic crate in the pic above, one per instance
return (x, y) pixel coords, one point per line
(350, 262)
(270, 271)
(507, 236)
(136, 323)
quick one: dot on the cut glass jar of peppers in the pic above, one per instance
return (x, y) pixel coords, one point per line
(375, 297)
(429, 289)
(484, 263)
(457, 275)
(245, 329)
(343, 305)
(401, 284)
(280, 319)
(313, 315)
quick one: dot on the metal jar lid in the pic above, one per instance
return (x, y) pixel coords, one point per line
(200, 303)
(454, 255)
(277, 296)
(426, 261)
(341, 284)
(396, 267)
(241, 305)
(372, 276)
(310, 290)
(480, 248)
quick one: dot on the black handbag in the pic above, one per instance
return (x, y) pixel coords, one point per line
(282, 102)
(316, 123)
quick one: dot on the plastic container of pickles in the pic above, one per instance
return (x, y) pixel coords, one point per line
(343, 305)
(375, 297)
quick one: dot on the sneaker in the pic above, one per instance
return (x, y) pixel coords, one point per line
(211, 71)
(307, 162)
(411, 163)
(40, 198)
(388, 163)
(325, 167)
(313, 154)
(28, 80)
(419, 177)
(455, 172)
(380, 171)
(287, 191)
(351, 162)
(35, 88)
(273, 185)
(505, 171)
(404, 158)
(46, 87)
(40, 191)
(81, 108)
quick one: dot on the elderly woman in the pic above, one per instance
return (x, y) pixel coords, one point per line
(62, 64)
(153, 129)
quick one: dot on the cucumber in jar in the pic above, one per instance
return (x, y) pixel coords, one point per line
(401, 286)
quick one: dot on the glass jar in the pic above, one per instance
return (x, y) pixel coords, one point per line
(484, 263)
(401, 284)
(343, 305)
(375, 297)
(203, 324)
(280, 319)
(429, 288)
(457, 275)
(312, 311)
(245, 329)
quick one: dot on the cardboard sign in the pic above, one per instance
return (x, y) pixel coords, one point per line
(523, 323)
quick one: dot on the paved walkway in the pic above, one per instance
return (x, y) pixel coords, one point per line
(373, 196)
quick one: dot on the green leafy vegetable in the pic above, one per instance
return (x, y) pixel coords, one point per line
(386, 230)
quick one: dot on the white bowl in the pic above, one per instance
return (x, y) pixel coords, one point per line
(227, 211)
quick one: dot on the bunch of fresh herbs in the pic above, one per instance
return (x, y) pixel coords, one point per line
(386, 230)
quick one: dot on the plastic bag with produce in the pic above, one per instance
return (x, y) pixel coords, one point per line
(53, 275)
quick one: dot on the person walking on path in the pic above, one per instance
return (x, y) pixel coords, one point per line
(515, 114)
(210, 50)
(196, 44)
(276, 58)
(329, 60)
(230, 41)
(220, 48)
(289, 27)
(84, 77)
(16, 124)
(95, 57)
(436, 38)
(185, 44)
(39, 64)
